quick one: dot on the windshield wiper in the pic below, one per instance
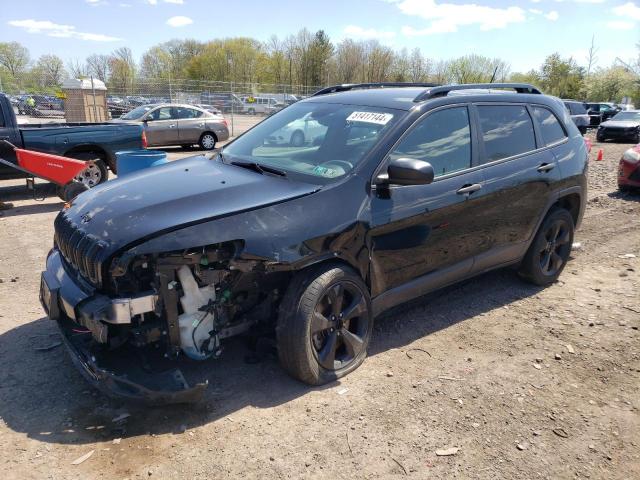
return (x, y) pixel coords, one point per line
(260, 168)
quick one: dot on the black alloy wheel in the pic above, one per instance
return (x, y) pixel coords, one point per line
(549, 252)
(557, 247)
(339, 326)
(325, 324)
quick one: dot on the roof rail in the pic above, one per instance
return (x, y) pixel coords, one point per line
(362, 86)
(443, 90)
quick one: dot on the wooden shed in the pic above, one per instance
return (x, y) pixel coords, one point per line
(85, 100)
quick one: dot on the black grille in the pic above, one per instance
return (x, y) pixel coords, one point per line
(82, 251)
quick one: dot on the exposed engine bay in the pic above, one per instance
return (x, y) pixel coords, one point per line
(164, 309)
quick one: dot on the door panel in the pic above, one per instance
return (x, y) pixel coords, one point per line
(517, 180)
(163, 129)
(190, 125)
(419, 229)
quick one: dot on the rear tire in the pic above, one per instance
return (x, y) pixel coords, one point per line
(207, 141)
(548, 253)
(325, 324)
(94, 175)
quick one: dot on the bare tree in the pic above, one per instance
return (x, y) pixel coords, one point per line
(98, 66)
(591, 55)
(77, 69)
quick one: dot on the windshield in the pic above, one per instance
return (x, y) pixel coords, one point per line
(628, 116)
(137, 112)
(321, 140)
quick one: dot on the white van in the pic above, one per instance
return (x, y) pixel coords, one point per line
(265, 105)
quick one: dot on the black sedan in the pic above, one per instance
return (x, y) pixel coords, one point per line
(623, 126)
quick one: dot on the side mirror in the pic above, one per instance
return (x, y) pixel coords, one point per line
(407, 171)
(147, 119)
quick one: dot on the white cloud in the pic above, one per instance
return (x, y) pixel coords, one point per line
(552, 15)
(125, 5)
(620, 25)
(179, 21)
(97, 3)
(536, 1)
(447, 17)
(629, 10)
(60, 31)
(152, 2)
(535, 11)
(365, 33)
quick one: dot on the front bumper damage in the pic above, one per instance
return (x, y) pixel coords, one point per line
(80, 312)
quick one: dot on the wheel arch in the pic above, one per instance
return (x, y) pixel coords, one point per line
(95, 149)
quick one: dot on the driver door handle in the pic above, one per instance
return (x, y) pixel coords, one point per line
(474, 187)
(546, 167)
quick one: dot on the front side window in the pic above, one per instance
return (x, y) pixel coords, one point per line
(312, 139)
(443, 139)
(136, 113)
(164, 113)
(550, 128)
(507, 130)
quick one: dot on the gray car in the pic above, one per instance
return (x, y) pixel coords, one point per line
(178, 124)
(579, 114)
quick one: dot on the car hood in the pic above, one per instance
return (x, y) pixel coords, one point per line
(621, 123)
(160, 199)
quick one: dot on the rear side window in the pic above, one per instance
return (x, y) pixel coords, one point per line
(507, 130)
(1, 119)
(443, 139)
(550, 127)
(576, 108)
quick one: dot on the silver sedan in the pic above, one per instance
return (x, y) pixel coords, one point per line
(178, 124)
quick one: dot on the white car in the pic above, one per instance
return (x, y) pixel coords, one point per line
(298, 133)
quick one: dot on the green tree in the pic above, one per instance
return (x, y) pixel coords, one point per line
(562, 77)
(15, 58)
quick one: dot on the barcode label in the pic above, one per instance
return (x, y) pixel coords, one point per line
(370, 117)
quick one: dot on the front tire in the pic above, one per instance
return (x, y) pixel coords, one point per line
(325, 324)
(297, 139)
(548, 253)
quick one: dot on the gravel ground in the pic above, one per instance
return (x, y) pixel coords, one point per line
(508, 380)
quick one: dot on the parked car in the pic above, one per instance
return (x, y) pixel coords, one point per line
(600, 112)
(407, 190)
(578, 114)
(623, 126)
(225, 102)
(208, 108)
(629, 170)
(298, 133)
(177, 124)
(95, 141)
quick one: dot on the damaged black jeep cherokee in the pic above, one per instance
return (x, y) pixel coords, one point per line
(312, 223)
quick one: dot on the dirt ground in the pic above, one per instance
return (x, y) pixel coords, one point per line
(517, 381)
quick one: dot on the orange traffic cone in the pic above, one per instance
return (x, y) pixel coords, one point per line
(600, 154)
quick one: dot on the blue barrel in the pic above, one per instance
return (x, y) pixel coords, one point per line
(130, 161)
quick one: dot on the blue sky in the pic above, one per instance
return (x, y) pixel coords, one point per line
(522, 32)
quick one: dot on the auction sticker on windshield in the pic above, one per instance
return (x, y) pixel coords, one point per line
(370, 117)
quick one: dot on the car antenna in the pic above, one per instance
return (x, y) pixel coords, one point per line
(493, 77)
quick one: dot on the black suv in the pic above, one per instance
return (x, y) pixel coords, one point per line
(396, 190)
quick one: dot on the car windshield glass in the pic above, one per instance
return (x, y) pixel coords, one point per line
(321, 140)
(627, 116)
(136, 112)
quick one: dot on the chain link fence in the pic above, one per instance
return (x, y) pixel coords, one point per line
(242, 104)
